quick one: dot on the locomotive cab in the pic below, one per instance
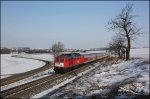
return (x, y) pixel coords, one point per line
(59, 61)
(67, 62)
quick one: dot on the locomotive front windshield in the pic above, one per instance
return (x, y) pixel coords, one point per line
(56, 59)
(59, 59)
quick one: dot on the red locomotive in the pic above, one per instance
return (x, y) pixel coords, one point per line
(69, 61)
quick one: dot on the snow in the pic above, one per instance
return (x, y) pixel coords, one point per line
(99, 79)
(104, 78)
(133, 76)
(12, 65)
(92, 52)
(102, 51)
(142, 52)
(61, 84)
(47, 57)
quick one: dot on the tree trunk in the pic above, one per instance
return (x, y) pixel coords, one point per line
(128, 48)
(127, 55)
(124, 54)
(119, 54)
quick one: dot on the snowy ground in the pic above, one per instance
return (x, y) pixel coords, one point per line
(102, 51)
(133, 76)
(128, 77)
(89, 52)
(47, 57)
(12, 65)
(142, 53)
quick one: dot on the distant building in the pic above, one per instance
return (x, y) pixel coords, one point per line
(5, 50)
(20, 49)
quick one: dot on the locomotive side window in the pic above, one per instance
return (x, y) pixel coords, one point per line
(78, 54)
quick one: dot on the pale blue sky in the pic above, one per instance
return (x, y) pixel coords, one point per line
(77, 24)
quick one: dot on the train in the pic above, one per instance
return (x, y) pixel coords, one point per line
(69, 61)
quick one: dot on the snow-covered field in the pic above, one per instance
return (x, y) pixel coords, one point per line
(89, 52)
(127, 76)
(12, 65)
(47, 57)
(102, 51)
(142, 53)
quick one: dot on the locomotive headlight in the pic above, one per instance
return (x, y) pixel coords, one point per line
(59, 64)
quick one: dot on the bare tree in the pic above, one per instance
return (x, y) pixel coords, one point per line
(117, 46)
(57, 48)
(125, 26)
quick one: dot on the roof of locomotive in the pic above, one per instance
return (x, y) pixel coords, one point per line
(70, 55)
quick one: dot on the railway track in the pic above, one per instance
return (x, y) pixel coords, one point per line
(30, 89)
(20, 76)
(16, 90)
